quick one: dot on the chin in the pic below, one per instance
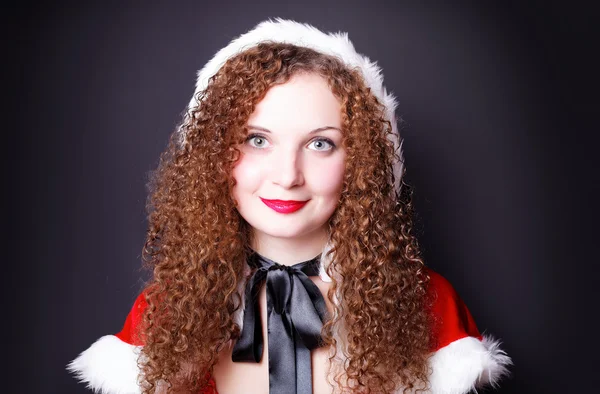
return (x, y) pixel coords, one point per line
(295, 225)
(284, 231)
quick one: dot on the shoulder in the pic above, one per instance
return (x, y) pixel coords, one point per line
(130, 333)
(452, 320)
(110, 365)
(462, 358)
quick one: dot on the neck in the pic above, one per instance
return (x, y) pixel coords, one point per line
(289, 251)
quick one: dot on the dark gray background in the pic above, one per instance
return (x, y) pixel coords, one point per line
(497, 101)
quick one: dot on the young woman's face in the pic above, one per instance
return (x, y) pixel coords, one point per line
(290, 173)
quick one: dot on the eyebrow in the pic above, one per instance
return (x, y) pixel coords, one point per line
(310, 132)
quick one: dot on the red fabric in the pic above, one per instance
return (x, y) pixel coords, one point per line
(129, 333)
(452, 319)
(211, 388)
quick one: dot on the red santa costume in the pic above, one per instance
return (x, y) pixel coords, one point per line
(462, 358)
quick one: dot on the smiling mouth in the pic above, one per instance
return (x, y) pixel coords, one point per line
(284, 206)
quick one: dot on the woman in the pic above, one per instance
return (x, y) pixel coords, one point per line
(280, 241)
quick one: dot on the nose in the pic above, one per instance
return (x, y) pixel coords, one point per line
(286, 169)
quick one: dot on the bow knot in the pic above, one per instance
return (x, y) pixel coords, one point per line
(296, 312)
(281, 267)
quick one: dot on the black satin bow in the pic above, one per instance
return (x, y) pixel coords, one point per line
(296, 311)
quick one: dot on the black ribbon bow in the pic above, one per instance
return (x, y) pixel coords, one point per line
(296, 311)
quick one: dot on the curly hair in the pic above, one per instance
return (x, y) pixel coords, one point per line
(197, 242)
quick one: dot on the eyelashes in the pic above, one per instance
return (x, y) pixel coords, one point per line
(317, 144)
(322, 144)
(257, 141)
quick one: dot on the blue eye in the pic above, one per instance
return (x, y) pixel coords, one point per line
(257, 141)
(321, 145)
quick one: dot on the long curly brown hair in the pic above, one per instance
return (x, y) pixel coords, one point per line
(197, 242)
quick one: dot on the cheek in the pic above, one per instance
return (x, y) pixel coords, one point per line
(248, 176)
(326, 178)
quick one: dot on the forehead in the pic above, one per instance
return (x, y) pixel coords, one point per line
(305, 102)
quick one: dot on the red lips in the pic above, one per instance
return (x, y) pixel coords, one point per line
(284, 206)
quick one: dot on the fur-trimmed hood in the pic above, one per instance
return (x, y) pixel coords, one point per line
(333, 44)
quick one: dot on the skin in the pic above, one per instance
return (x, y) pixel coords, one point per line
(294, 152)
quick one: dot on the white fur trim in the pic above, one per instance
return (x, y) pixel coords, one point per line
(109, 366)
(467, 364)
(305, 35)
(324, 263)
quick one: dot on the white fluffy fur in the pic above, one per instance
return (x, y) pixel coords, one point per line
(468, 364)
(109, 366)
(305, 35)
